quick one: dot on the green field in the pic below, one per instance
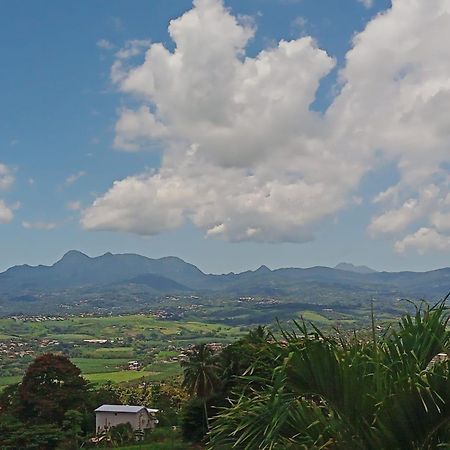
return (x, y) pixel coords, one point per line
(111, 327)
(99, 365)
(153, 372)
(164, 370)
(311, 316)
(145, 338)
(5, 381)
(154, 342)
(114, 352)
(117, 377)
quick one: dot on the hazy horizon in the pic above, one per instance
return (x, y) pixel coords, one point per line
(230, 134)
(205, 269)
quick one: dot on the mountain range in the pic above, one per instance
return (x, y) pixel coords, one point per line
(173, 275)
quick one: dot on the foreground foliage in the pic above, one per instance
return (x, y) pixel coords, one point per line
(341, 392)
(301, 389)
(53, 408)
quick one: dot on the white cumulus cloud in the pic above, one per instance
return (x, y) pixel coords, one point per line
(245, 157)
(424, 240)
(6, 213)
(6, 177)
(39, 225)
(367, 3)
(105, 44)
(73, 205)
(71, 179)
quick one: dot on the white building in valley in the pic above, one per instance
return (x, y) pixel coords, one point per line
(139, 417)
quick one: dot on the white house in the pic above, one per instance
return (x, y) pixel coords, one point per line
(139, 417)
(134, 365)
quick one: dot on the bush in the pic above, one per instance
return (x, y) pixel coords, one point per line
(193, 425)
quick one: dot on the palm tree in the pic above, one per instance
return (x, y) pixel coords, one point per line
(341, 392)
(200, 374)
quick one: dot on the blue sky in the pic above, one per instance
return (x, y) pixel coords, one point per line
(65, 136)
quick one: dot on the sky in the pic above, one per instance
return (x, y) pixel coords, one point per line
(231, 134)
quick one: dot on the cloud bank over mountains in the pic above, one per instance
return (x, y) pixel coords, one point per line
(245, 157)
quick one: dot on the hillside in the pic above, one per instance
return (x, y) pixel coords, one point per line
(117, 278)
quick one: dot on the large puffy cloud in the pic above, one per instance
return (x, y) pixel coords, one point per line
(225, 202)
(424, 240)
(397, 88)
(229, 124)
(245, 157)
(394, 100)
(396, 220)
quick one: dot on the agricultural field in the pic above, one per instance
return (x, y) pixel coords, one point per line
(102, 347)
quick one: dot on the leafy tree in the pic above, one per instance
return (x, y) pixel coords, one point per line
(72, 428)
(168, 397)
(9, 399)
(252, 354)
(15, 435)
(121, 434)
(107, 393)
(51, 386)
(193, 414)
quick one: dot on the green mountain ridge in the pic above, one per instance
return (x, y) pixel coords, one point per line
(122, 275)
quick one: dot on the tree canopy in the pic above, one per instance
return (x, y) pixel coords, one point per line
(51, 386)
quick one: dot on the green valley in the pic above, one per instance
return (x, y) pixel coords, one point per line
(102, 347)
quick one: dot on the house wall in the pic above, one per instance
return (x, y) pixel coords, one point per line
(110, 419)
(141, 420)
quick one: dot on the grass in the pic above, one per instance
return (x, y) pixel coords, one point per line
(322, 319)
(6, 336)
(163, 439)
(108, 352)
(111, 327)
(164, 354)
(311, 316)
(97, 372)
(70, 337)
(94, 365)
(118, 377)
(162, 371)
(157, 371)
(5, 381)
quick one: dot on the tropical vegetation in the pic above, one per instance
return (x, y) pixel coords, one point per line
(379, 390)
(386, 388)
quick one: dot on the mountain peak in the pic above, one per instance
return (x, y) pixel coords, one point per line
(263, 269)
(73, 256)
(349, 267)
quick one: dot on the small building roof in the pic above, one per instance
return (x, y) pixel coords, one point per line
(120, 408)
